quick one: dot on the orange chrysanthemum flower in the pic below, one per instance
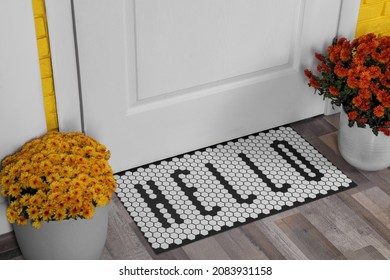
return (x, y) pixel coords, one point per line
(308, 73)
(314, 83)
(334, 91)
(320, 57)
(352, 82)
(379, 111)
(334, 53)
(386, 100)
(340, 71)
(365, 80)
(364, 93)
(357, 101)
(365, 106)
(374, 71)
(352, 115)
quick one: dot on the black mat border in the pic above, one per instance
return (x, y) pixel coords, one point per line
(248, 220)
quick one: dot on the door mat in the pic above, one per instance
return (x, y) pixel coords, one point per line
(192, 196)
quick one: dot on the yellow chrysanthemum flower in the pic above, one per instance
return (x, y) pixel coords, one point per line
(33, 212)
(46, 214)
(24, 200)
(53, 177)
(40, 196)
(67, 172)
(88, 150)
(12, 215)
(6, 181)
(56, 169)
(24, 178)
(36, 224)
(7, 161)
(34, 200)
(64, 146)
(88, 211)
(96, 170)
(82, 169)
(77, 187)
(77, 201)
(55, 158)
(60, 215)
(55, 197)
(61, 205)
(70, 160)
(21, 220)
(101, 148)
(84, 178)
(35, 181)
(38, 157)
(74, 212)
(45, 165)
(53, 143)
(14, 190)
(101, 200)
(15, 170)
(4, 192)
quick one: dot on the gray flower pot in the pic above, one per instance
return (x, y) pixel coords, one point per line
(65, 240)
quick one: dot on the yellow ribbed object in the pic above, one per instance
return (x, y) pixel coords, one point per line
(374, 17)
(45, 64)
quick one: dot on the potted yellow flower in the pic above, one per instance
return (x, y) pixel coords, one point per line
(57, 186)
(356, 76)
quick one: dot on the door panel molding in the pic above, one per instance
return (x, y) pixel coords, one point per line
(278, 70)
(183, 44)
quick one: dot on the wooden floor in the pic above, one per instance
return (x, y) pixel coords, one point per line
(354, 224)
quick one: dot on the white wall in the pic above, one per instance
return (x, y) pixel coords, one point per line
(22, 114)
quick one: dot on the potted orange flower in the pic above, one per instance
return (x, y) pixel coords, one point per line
(356, 76)
(63, 181)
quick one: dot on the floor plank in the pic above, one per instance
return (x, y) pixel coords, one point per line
(261, 241)
(206, 249)
(342, 226)
(377, 203)
(308, 238)
(279, 239)
(9, 247)
(238, 246)
(366, 253)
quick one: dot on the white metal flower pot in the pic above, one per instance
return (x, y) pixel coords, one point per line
(65, 240)
(361, 148)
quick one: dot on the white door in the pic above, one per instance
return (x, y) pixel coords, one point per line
(163, 77)
(22, 115)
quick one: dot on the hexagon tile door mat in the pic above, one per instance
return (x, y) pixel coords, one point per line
(192, 196)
